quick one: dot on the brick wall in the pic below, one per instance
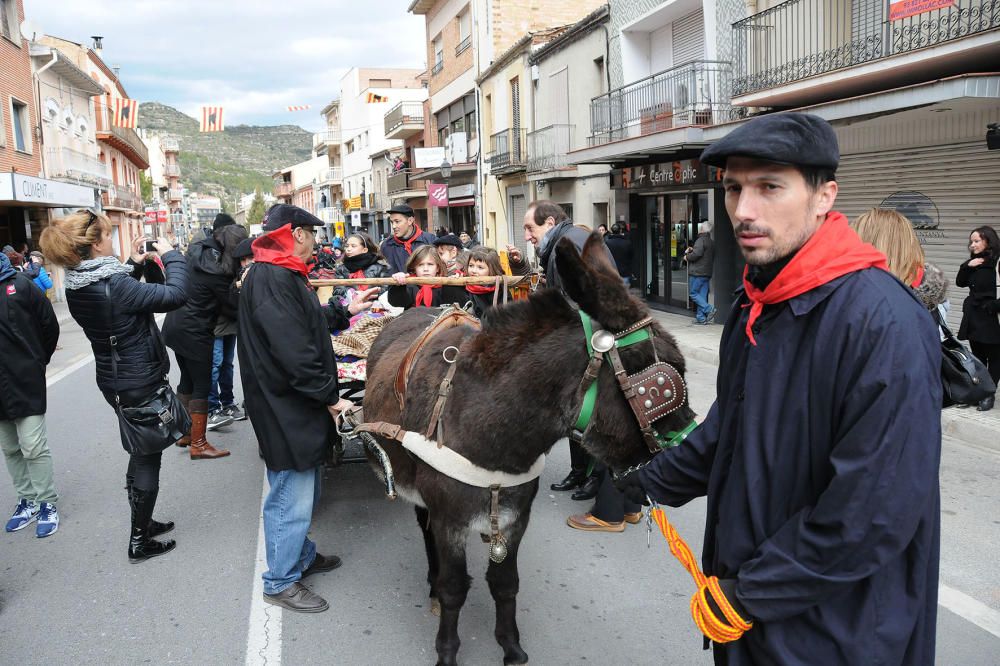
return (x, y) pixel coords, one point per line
(15, 80)
(454, 64)
(513, 19)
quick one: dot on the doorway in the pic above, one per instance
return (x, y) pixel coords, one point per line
(671, 227)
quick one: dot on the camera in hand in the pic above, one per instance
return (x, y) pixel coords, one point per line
(150, 246)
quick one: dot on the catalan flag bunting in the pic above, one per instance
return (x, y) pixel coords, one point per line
(300, 107)
(375, 98)
(126, 113)
(211, 119)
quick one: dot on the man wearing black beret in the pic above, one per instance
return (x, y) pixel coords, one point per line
(820, 455)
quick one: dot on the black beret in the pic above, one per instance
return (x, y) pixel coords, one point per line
(799, 139)
(448, 239)
(222, 220)
(281, 214)
(244, 249)
(402, 209)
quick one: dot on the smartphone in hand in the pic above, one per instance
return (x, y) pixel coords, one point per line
(150, 246)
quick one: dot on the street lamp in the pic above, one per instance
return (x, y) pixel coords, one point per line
(445, 175)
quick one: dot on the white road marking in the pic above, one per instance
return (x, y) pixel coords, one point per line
(264, 631)
(969, 609)
(79, 362)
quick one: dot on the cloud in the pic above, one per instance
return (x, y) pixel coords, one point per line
(254, 57)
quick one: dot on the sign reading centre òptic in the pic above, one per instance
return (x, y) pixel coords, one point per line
(679, 172)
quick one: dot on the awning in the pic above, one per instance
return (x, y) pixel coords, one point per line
(456, 203)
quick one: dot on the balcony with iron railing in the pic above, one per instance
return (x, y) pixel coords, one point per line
(803, 39)
(172, 170)
(124, 139)
(402, 181)
(330, 214)
(175, 194)
(121, 198)
(693, 94)
(549, 146)
(325, 139)
(438, 66)
(331, 176)
(404, 120)
(72, 165)
(508, 152)
(283, 188)
(170, 145)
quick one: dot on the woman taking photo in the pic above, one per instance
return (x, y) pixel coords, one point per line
(82, 244)
(981, 310)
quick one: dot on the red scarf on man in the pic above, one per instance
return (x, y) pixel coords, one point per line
(834, 250)
(277, 247)
(425, 295)
(408, 244)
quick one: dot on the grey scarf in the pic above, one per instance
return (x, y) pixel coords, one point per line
(90, 271)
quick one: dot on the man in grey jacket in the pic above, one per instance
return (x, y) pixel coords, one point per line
(699, 259)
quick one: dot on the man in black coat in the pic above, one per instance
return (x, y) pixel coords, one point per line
(29, 332)
(820, 456)
(290, 386)
(620, 246)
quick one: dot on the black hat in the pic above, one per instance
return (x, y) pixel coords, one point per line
(799, 139)
(281, 214)
(244, 249)
(448, 239)
(402, 209)
(222, 220)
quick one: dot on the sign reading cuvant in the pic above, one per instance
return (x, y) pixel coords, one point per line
(900, 9)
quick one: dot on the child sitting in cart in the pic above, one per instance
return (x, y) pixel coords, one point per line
(424, 262)
(485, 262)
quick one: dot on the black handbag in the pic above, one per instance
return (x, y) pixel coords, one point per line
(160, 419)
(965, 379)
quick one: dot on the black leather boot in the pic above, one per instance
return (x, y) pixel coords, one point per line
(156, 528)
(986, 404)
(589, 489)
(573, 480)
(141, 545)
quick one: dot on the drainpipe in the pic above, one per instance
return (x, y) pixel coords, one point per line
(38, 106)
(480, 214)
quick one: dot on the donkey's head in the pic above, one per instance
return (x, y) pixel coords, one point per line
(614, 434)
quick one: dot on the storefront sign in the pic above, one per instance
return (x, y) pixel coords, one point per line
(461, 191)
(150, 217)
(667, 174)
(428, 158)
(900, 9)
(922, 213)
(50, 193)
(437, 195)
(355, 218)
(161, 216)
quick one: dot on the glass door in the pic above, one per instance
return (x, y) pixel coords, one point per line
(687, 210)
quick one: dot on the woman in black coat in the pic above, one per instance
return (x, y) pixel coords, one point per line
(981, 310)
(82, 243)
(190, 330)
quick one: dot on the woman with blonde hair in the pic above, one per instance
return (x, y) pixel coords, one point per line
(115, 311)
(892, 234)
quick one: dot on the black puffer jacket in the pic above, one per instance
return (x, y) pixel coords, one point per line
(142, 361)
(190, 330)
(980, 309)
(373, 268)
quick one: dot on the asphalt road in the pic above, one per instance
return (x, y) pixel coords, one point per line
(585, 598)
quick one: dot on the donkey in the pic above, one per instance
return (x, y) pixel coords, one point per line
(516, 391)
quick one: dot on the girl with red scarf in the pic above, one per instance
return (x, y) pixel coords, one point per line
(484, 262)
(424, 262)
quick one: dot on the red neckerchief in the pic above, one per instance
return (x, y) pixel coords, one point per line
(408, 244)
(425, 295)
(834, 250)
(454, 270)
(480, 288)
(920, 277)
(277, 247)
(357, 275)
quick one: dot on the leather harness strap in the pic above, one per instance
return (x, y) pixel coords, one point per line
(444, 389)
(449, 318)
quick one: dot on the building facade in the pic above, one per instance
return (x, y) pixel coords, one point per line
(330, 185)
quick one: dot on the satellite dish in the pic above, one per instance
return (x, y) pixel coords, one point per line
(30, 30)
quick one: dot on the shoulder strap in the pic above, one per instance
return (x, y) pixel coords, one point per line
(112, 339)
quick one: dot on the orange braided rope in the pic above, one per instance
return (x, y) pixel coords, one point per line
(713, 627)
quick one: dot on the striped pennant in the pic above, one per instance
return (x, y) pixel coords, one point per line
(375, 98)
(126, 113)
(301, 107)
(211, 119)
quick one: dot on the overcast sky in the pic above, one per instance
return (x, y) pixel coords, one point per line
(253, 57)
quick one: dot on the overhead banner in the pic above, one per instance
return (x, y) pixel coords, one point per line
(900, 9)
(428, 158)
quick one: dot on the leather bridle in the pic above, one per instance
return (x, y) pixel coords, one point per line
(652, 393)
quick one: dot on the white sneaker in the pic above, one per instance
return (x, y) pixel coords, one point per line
(218, 419)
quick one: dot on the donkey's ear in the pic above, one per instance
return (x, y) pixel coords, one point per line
(593, 284)
(596, 255)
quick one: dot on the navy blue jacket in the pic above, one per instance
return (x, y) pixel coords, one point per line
(820, 462)
(395, 254)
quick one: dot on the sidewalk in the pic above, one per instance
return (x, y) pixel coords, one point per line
(62, 312)
(702, 343)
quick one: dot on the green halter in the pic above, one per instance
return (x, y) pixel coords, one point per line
(672, 438)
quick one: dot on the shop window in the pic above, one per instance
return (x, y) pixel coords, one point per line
(22, 125)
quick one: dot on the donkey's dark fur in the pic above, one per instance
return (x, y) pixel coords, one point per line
(515, 393)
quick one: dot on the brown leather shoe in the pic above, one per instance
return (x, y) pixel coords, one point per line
(200, 448)
(633, 518)
(587, 523)
(298, 598)
(185, 400)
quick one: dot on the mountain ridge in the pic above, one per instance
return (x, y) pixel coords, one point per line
(235, 161)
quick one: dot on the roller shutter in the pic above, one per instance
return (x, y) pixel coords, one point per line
(518, 207)
(946, 191)
(688, 37)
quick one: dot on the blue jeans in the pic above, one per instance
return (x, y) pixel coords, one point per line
(287, 515)
(221, 393)
(698, 288)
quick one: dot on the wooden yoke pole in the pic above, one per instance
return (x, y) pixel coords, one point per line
(507, 280)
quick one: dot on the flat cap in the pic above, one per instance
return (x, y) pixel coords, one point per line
(402, 209)
(279, 215)
(799, 139)
(448, 239)
(244, 249)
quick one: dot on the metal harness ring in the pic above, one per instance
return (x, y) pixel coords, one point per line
(444, 354)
